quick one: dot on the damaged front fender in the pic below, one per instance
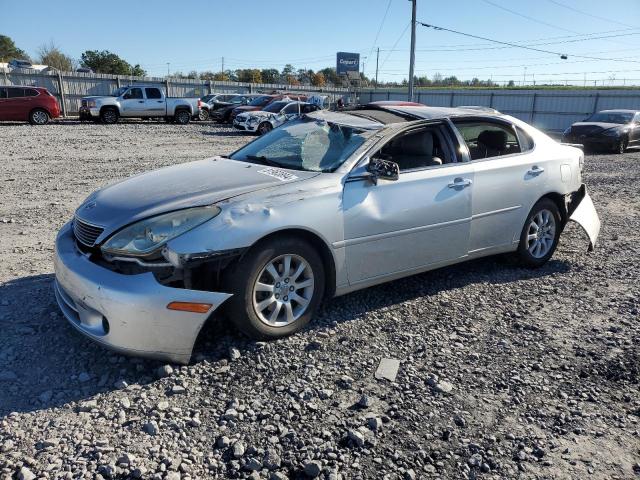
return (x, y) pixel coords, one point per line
(583, 212)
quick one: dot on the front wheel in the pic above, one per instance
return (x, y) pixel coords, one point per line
(540, 234)
(276, 288)
(39, 117)
(109, 115)
(264, 127)
(182, 117)
(621, 146)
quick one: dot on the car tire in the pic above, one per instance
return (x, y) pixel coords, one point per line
(264, 127)
(535, 249)
(252, 308)
(109, 116)
(621, 146)
(203, 115)
(182, 117)
(39, 116)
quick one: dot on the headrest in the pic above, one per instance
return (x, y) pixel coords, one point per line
(494, 139)
(418, 144)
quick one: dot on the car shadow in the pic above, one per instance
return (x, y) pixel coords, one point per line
(45, 362)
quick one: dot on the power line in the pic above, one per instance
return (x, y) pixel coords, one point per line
(528, 17)
(515, 45)
(581, 12)
(396, 44)
(384, 17)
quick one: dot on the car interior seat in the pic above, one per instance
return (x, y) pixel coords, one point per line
(415, 151)
(491, 143)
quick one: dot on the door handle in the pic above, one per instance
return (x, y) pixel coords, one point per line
(535, 170)
(460, 183)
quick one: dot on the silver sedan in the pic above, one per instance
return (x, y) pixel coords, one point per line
(327, 204)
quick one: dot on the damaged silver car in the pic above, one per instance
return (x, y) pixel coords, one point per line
(325, 205)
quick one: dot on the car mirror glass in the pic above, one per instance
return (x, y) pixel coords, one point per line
(383, 169)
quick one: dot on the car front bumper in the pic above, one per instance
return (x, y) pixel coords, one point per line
(601, 141)
(86, 112)
(126, 313)
(245, 126)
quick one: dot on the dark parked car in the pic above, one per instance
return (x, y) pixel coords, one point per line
(33, 104)
(264, 100)
(223, 113)
(608, 129)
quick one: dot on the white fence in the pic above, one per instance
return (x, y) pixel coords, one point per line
(547, 109)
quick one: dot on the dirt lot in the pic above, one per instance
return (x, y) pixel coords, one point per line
(505, 373)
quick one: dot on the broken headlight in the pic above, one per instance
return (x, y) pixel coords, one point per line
(147, 235)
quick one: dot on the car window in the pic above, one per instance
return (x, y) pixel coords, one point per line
(291, 108)
(637, 118)
(15, 92)
(135, 93)
(526, 141)
(309, 108)
(153, 93)
(30, 92)
(488, 139)
(417, 149)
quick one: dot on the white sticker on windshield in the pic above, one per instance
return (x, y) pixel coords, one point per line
(277, 173)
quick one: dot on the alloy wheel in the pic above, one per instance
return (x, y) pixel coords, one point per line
(541, 233)
(283, 290)
(40, 117)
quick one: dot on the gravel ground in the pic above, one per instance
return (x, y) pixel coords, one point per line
(504, 372)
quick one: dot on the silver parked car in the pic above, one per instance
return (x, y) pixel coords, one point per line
(324, 205)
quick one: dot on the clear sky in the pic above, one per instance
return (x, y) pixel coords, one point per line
(196, 34)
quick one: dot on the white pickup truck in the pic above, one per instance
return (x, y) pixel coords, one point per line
(138, 101)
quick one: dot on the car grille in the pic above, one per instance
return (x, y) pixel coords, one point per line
(86, 233)
(585, 130)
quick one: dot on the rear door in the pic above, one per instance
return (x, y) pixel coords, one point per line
(4, 104)
(16, 105)
(420, 219)
(509, 178)
(155, 104)
(133, 103)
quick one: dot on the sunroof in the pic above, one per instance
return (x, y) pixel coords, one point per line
(381, 116)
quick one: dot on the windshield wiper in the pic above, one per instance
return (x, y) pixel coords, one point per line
(264, 160)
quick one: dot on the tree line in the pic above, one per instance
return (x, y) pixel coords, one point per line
(104, 61)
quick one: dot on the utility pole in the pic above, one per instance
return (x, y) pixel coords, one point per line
(168, 64)
(223, 68)
(377, 58)
(412, 58)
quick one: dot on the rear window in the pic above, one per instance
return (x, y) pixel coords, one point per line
(153, 93)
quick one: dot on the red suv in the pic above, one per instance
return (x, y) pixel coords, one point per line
(33, 104)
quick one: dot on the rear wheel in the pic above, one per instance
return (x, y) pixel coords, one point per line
(277, 288)
(182, 117)
(540, 234)
(109, 115)
(38, 117)
(264, 127)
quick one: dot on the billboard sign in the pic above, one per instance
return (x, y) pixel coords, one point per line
(347, 62)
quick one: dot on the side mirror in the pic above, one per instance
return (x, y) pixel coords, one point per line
(383, 169)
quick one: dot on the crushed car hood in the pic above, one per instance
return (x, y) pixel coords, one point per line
(180, 186)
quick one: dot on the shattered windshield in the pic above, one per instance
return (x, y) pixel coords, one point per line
(305, 144)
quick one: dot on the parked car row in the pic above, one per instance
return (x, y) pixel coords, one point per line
(272, 116)
(609, 129)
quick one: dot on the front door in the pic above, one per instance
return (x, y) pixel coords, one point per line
(420, 219)
(133, 103)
